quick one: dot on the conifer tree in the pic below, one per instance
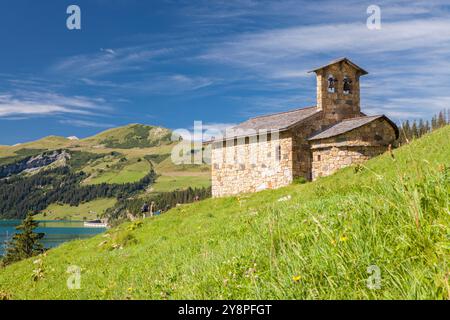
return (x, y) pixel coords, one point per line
(433, 123)
(441, 120)
(405, 132)
(427, 127)
(25, 243)
(421, 127)
(414, 130)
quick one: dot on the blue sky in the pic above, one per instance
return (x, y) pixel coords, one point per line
(172, 62)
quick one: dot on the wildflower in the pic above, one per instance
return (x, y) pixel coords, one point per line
(296, 278)
(286, 198)
(344, 239)
(37, 274)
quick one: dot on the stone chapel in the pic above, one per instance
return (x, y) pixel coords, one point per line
(270, 151)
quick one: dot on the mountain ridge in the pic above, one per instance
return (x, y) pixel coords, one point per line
(116, 132)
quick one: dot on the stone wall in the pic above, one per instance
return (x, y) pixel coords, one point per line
(354, 147)
(338, 106)
(301, 149)
(251, 164)
(335, 158)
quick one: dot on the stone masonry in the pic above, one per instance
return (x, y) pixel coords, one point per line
(250, 166)
(336, 105)
(353, 147)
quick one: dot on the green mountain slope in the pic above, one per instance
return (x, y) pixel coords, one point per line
(116, 156)
(321, 240)
(131, 136)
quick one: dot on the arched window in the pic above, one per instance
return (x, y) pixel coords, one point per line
(347, 85)
(331, 84)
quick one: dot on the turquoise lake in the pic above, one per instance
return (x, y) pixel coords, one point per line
(56, 232)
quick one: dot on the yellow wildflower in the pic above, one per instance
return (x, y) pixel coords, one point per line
(296, 278)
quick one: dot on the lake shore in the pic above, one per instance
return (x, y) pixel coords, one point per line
(56, 232)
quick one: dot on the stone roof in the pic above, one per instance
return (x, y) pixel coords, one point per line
(354, 65)
(277, 121)
(281, 121)
(349, 125)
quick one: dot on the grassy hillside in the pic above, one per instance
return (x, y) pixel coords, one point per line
(87, 211)
(118, 172)
(310, 241)
(131, 136)
(181, 176)
(47, 143)
(172, 181)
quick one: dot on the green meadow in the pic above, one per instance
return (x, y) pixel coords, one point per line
(322, 240)
(86, 211)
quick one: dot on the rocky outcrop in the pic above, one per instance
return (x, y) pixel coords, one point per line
(33, 163)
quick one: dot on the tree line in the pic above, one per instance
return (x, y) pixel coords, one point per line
(410, 130)
(22, 194)
(161, 202)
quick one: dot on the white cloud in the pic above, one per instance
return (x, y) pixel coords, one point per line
(205, 131)
(268, 49)
(110, 51)
(86, 123)
(229, 12)
(46, 103)
(166, 84)
(108, 61)
(400, 108)
(406, 58)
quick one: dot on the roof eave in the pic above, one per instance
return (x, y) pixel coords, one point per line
(394, 126)
(246, 135)
(354, 65)
(284, 129)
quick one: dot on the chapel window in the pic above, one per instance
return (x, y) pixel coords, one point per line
(331, 84)
(347, 85)
(278, 154)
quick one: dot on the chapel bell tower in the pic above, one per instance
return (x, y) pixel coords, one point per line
(338, 93)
